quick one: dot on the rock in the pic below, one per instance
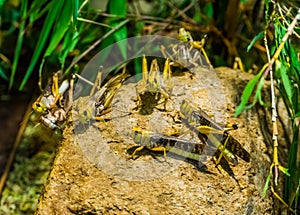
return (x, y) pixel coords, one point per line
(93, 175)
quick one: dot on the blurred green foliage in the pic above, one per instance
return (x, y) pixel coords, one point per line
(280, 33)
(59, 32)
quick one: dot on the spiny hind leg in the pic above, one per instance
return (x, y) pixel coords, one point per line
(57, 92)
(161, 149)
(238, 64)
(135, 151)
(156, 149)
(222, 151)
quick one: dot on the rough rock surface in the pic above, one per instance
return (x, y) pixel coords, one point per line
(93, 175)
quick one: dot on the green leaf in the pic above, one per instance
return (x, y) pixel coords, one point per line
(247, 93)
(19, 44)
(37, 5)
(48, 25)
(266, 185)
(39, 9)
(70, 41)
(117, 7)
(259, 36)
(121, 33)
(61, 26)
(106, 48)
(75, 8)
(208, 10)
(294, 58)
(137, 65)
(286, 82)
(258, 91)
(139, 26)
(279, 34)
(292, 164)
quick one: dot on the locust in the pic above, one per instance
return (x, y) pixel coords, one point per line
(104, 97)
(213, 133)
(182, 147)
(163, 143)
(49, 108)
(48, 100)
(153, 86)
(185, 36)
(99, 103)
(187, 53)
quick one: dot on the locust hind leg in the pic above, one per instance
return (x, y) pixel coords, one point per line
(211, 132)
(164, 52)
(238, 64)
(222, 151)
(160, 149)
(57, 92)
(156, 149)
(167, 83)
(136, 150)
(199, 45)
(223, 167)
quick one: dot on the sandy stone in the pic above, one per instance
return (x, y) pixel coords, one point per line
(93, 175)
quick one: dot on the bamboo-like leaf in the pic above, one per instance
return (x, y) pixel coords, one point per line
(247, 93)
(259, 36)
(19, 44)
(75, 7)
(294, 58)
(279, 34)
(61, 26)
(38, 11)
(286, 82)
(48, 25)
(258, 91)
(36, 6)
(106, 47)
(121, 33)
(292, 180)
(137, 65)
(295, 64)
(70, 41)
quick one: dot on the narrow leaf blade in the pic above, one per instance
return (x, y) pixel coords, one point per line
(259, 36)
(247, 93)
(48, 25)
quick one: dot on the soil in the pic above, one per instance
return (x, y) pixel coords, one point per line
(92, 172)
